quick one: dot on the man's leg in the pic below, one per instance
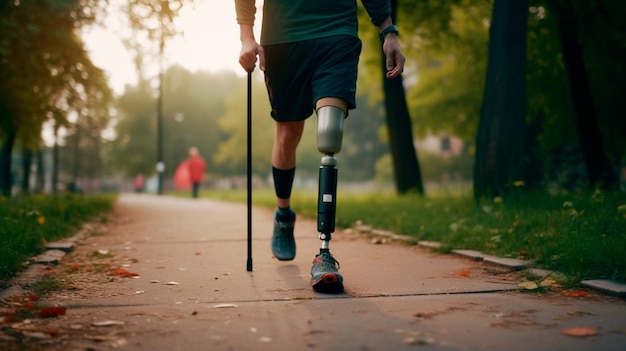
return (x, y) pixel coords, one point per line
(331, 113)
(287, 138)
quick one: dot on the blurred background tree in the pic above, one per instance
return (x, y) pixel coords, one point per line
(572, 133)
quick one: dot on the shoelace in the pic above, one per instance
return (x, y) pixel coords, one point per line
(329, 260)
(282, 225)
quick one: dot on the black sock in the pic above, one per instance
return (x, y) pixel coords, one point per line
(284, 214)
(283, 181)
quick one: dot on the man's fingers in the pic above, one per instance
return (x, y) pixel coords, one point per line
(261, 54)
(394, 64)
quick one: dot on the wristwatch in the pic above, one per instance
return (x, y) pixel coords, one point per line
(391, 29)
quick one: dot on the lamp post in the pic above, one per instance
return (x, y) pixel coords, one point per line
(160, 166)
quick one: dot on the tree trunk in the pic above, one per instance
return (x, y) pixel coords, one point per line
(55, 161)
(599, 169)
(499, 164)
(40, 182)
(5, 164)
(407, 174)
(27, 160)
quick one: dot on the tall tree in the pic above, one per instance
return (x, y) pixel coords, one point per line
(406, 167)
(570, 17)
(500, 139)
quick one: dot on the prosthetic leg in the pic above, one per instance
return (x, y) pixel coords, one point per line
(324, 272)
(329, 137)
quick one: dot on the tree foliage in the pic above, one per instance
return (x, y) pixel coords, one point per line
(45, 73)
(192, 108)
(446, 46)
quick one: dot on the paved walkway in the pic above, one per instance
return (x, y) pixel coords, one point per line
(192, 292)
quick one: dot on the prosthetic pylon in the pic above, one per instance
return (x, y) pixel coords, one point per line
(326, 201)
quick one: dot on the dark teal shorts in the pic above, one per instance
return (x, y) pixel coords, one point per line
(300, 73)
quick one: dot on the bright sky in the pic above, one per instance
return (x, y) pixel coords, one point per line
(210, 43)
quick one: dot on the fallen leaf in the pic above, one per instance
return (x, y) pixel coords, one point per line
(53, 331)
(579, 331)
(35, 335)
(463, 273)
(99, 337)
(225, 305)
(52, 312)
(576, 293)
(548, 282)
(108, 323)
(415, 341)
(124, 273)
(529, 285)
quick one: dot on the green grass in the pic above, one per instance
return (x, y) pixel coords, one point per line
(27, 222)
(580, 235)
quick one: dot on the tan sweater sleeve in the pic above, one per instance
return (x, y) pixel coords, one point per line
(246, 10)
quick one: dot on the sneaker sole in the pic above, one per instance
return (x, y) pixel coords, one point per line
(329, 283)
(290, 258)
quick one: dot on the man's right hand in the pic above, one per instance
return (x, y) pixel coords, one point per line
(250, 49)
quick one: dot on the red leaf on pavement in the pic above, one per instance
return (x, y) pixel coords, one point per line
(52, 332)
(576, 293)
(28, 304)
(463, 273)
(124, 273)
(579, 331)
(52, 312)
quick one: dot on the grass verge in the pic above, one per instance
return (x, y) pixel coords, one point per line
(27, 222)
(582, 235)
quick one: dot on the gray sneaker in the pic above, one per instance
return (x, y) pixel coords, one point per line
(325, 277)
(283, 242)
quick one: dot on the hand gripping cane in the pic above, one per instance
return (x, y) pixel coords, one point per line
(249, 169)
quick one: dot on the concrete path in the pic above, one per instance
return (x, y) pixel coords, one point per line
(192, 292)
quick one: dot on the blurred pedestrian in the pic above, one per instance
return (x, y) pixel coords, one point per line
(139, 183)
(197, 167)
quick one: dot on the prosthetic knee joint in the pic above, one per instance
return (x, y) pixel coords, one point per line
(329, 136)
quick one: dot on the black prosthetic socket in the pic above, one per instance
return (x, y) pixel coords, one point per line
(327, 199)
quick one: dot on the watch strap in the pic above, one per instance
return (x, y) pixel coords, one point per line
(391, 29)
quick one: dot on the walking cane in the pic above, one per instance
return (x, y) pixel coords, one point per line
(249, 167)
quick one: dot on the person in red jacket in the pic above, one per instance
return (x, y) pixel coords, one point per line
(197, 166)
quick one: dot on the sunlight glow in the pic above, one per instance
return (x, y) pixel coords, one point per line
(210, 42)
